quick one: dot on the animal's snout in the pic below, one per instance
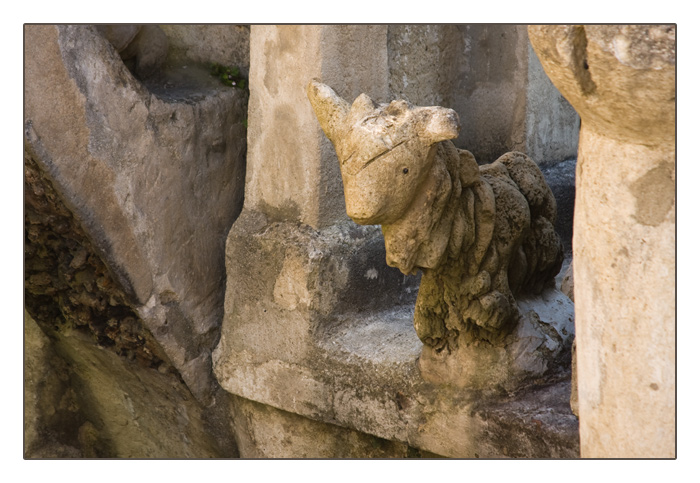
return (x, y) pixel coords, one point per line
(363, 211)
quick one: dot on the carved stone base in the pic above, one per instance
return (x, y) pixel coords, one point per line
(294, 339)
(539, 344)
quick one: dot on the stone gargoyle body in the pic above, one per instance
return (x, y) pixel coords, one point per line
(481, 234)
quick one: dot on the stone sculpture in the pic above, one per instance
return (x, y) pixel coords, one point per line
(481, 234)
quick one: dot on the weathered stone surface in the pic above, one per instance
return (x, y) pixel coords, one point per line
(480, 235)
(83, 401)
(143, 48)
(621, 80)
(51, 411)
(135, 412)
(293, 338)
(263, 432)
(224, 44)
(100, 343)
(125, 223)
(302, 277)
(155, 183)
(490, 76)
(120, 35)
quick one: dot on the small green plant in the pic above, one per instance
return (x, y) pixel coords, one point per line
(230, 76)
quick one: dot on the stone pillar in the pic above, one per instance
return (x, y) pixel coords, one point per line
(621, 80)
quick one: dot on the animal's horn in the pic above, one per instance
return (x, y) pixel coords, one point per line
(331, 110)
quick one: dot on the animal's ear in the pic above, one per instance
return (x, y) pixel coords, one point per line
(361, 105)
(441, 124)
(331, 110)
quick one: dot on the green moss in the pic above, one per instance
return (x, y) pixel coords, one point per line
(230, 76)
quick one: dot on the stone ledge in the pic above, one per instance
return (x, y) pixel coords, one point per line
(360, 369)
(364, 375)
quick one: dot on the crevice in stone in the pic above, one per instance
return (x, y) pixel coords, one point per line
(580, 61)
(68, 287)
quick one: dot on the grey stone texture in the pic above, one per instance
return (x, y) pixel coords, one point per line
(224, 44)
(491, 77)
(143, 48)
(621, 80)
(130, 190)
(263, 432)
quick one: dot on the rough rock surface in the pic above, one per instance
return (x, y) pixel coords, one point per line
(126, 215)
(223, 44)
(51, 411)
(263, 432)
(143, 48)
(84, 401)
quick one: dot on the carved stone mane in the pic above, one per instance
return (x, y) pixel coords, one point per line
(481, 235)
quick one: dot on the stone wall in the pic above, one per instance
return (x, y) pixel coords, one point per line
(492, 78)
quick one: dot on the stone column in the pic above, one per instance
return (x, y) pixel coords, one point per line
(621, 80)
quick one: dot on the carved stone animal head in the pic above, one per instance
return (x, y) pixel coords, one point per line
(386, 151)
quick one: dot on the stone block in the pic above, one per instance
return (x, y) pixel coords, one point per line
(263, 432)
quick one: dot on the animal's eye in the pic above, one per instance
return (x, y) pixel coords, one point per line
(405, 171)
